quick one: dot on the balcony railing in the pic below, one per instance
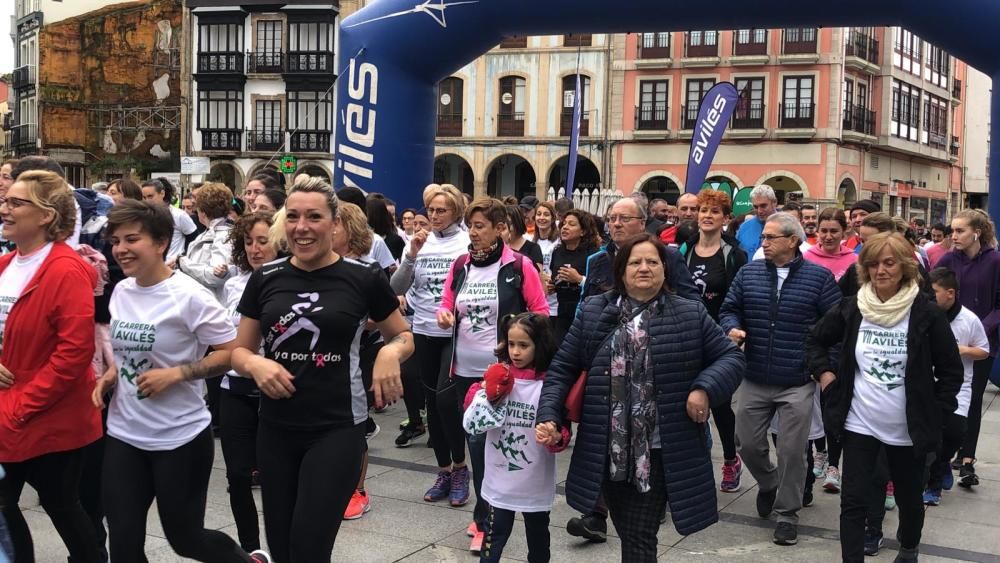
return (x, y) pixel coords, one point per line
(221, 140)
(798, 115)
(955, 146)
(221, 63)
(265, 139)
(749, 43)
(272, 62)
(702, 49)
(310, 62)
(654, 52)
(449, 125)
(24, 76)
(859, 119)
(566, 123)
(956, 89)
(514, 42)
(652, 117)
(310, 141)
(689, 115)
(25, 136)
(863, 47)
(796, 42)
(937, 141)
(749, 115)
(510, 124)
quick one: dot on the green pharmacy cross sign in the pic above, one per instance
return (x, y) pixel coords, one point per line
(289, 164)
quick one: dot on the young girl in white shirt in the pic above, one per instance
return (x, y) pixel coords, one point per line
(520, 471)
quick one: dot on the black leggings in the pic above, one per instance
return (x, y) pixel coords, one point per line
(413, 390)
(178, 480)
(90, 487)
(307, 479)
(725, 422)
(238, 429)
(56, 477)
(433, 353)
(980, 377)
(451, 396)
(499, 526)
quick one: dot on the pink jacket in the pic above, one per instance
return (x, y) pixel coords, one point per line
(837, 263)
(531, 292)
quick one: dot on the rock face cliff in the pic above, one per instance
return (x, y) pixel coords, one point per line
(110, 83)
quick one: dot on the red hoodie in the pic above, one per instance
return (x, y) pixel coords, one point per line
(49, 346)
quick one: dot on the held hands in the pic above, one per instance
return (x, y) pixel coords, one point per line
(271, 378)
(547, 434)
(6, 377)
(697, 406)
(417, 242)
(445, 319)
(737, 336)
(155, 381)
(386, 383)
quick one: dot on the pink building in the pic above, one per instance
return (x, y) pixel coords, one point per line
(829, 115)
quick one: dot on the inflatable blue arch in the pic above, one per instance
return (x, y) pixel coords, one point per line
(393, 53)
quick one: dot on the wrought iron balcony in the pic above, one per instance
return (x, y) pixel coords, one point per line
(221, 140)
(653, 52)
(689, 116)
(229, 62)
(265, 139)
(25, 136)
(310, 141)
(24, 76)
(510, 124)
(859, 119)
(449, 125)
(652, 117)
(566, 123)
(311, 62)
(749, 115)
(266, 62)
(702, 49)
(863, 47)
(956, 89)
(747, 42)
(798, 115)
(797, 41)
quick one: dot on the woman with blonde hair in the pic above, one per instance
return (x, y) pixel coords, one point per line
(898, 371)
(46, 349)
(976, 262)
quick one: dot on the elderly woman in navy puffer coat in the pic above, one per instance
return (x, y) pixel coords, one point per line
(656, 365)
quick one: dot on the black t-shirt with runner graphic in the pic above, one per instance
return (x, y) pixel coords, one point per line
(709, 276)
(311, 323)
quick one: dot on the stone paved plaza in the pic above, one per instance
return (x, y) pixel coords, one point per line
(402, 527)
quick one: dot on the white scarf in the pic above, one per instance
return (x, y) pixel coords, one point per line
(889, 313)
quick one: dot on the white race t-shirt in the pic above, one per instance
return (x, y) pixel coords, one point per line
(477, 304)
(968, 331)
(183, 226)
(430, 270)
(879, 405)
(547, 247)
(15, 278)
(380, 253)
(232, 293)
(166, 325)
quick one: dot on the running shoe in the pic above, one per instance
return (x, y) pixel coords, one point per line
(472, 530)
(890, 497)
(967, 476)
(732, 470)
(819, 464)
(593, 528)
(956, 463)
(786, 533)
(440, 489)
(358, 506)
(873, 541)
(459, 495)
(832, 482)
(260, 556)
(408, 435)
(947, 480)
(932, 497)
(476, 545)
(404, 424)
(371, 428)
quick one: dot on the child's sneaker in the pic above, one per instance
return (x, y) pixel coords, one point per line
(358, 506)
(890, 497)
(472, 529)
(819, 464)
(932, 497)
(732, 470)
(476, 545)
(832, 482)
(440, 489)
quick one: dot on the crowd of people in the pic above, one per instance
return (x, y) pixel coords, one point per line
(137, 325)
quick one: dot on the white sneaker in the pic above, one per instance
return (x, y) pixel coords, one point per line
(832, 482)
(819, 464)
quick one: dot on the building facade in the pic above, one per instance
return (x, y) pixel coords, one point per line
(261, 86)
(504, 120)
(976, 144)
(825, 115)
(97, 86)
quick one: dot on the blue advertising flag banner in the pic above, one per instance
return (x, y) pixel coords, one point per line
(717, 107)
(574, 139)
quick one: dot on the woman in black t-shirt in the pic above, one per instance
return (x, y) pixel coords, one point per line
(514, 237)
(308, 313)
(579, 239)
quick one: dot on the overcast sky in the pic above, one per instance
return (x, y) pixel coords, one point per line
(6, 45)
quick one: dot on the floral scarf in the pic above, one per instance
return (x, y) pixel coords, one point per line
(633, 397)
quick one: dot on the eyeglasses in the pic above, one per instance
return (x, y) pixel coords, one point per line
(622, 218)
(437, 210)
(771, 238)
(14, 202)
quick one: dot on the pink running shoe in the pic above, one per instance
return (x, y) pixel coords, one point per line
(732, 470)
